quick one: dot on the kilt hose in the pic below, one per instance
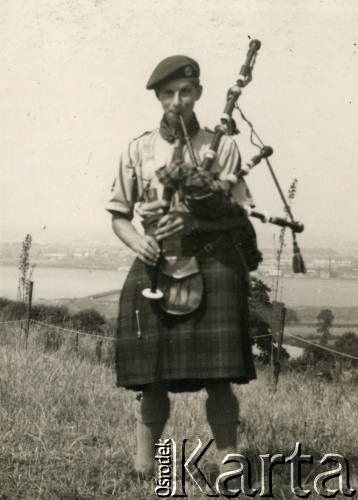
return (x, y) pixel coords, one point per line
(213, 342)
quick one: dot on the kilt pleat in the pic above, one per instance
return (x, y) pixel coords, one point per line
(211, 343)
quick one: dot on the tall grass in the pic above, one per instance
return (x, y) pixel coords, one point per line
(67, 433)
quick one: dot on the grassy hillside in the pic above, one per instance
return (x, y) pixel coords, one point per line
(67, 433)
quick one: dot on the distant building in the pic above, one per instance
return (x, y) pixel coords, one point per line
(324, 274)
(275, 272)
(55, 255)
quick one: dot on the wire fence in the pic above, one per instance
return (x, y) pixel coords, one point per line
(309, 342)
(71, 331)
(91, 346)
(100, 347)
(324, 348)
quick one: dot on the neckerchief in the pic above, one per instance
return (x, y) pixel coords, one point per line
(169, 134)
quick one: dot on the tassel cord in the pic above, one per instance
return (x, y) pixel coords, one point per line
(273, 175)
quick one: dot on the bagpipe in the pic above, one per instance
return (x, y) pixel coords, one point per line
(208, 195)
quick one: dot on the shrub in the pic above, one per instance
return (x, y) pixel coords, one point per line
(13, 310)
(348, 343)
(88, 320)
(261, 310)
(57, 315)
(4, 302)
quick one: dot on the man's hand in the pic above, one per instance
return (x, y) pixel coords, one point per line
(175, 224)
(147, 249)
(148, 208)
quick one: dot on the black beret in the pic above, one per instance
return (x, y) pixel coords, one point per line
(173, 67)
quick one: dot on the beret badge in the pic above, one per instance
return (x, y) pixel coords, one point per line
(188, 71)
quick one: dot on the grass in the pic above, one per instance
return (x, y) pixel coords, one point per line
(68, 434)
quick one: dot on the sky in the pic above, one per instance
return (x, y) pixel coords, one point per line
(73, 94)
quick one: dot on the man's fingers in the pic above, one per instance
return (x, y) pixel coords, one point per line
(164, 220)
(145, 260)
(149, 254)
(153, 244)
(166, 236)
(150, 249)
(167, 231)
(170, 226)
(152, 205)
(169, 234)
(148, 207)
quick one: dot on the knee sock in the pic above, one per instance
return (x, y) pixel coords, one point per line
(152, 414)
(222, 410)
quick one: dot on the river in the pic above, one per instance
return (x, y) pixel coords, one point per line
(62, 282)
(55, 282)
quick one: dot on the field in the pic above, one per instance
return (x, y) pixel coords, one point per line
(68, 434)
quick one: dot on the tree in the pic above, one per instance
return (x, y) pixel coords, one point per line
(260, 297)
(260, 314)
(325, 319)
(314, 355)
(25, 268)
(260, 320)
(291, 316)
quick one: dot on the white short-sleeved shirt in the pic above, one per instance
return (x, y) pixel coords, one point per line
(136, 172)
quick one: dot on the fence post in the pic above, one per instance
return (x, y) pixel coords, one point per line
(76, 342)
(28, 312)
(99, 350)
(278, 327)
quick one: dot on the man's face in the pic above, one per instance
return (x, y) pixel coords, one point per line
(178, 97)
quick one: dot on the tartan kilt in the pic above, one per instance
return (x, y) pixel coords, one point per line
(213, 342)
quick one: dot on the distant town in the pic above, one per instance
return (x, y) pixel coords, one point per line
(320, 262)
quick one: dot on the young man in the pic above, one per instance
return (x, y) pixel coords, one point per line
(157, 351)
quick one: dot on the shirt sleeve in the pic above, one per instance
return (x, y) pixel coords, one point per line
(123, 190)
(229, 158)
(230, 163)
